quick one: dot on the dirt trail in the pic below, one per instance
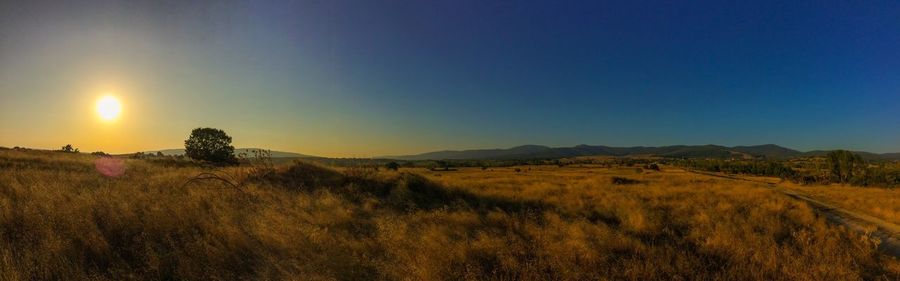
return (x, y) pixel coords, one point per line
(887, 232)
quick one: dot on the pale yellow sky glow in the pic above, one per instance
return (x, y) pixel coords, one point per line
(133, 118)
(181, 72)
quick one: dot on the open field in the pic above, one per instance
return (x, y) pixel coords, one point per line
(883, 203)
(61, 219)
(862, 209)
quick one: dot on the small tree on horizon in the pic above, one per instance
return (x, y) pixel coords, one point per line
(69, 148)
(211, 145)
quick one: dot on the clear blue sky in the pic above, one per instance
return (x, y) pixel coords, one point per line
(364, 78)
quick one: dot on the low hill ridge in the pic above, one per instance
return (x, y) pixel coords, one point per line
(765, 151)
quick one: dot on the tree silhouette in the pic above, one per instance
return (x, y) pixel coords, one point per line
(211, 145)
(69, 148)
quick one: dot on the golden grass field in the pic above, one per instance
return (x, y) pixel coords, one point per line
(60, 219)
(881, 203)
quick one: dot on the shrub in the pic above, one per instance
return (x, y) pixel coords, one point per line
(623, 181)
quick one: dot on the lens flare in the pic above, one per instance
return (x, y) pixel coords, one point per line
(110, 167)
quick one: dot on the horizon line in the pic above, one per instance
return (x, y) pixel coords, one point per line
(470, 149)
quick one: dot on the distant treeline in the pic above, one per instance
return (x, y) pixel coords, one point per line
(609, 162)
(837, 166)
(748, 167)
(483, 163)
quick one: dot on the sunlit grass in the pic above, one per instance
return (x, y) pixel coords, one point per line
(60, 219)
(883, 203)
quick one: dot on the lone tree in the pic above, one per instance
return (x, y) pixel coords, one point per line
(211, 145)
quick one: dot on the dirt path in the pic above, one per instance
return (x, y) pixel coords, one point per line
(889, 233)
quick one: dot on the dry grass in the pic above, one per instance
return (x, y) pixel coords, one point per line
(59, 219)
(883, 203)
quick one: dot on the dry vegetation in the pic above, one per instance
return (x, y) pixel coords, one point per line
(60, 219)
(883, 203)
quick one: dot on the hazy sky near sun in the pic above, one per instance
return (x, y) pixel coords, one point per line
(366, 78)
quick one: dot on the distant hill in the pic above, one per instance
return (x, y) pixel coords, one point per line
(249, 151)
(863, 154)
(766, 151)
(770, 151)
(891, 156)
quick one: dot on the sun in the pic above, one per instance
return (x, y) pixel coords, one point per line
(109, 108)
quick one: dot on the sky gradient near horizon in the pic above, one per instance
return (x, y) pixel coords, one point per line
(369, 78)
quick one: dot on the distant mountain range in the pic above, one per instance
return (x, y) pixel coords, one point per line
(767, 151)
(237, 151)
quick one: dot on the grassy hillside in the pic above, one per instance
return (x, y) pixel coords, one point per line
(61, 219)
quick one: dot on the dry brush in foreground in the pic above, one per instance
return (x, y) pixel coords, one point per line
(60, 219)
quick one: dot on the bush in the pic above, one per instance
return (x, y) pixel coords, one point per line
(623, 181)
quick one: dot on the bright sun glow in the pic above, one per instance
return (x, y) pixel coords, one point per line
(108, 108)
